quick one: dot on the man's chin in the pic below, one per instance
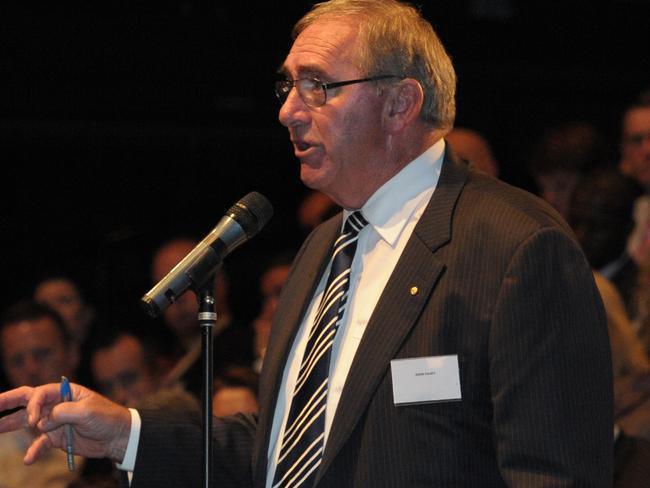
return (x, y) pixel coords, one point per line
(311, 178)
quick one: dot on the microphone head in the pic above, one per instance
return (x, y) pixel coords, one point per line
(252, 212)
(150, 306)
(242, 221)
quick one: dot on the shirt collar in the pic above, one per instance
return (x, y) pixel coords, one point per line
(390, 208)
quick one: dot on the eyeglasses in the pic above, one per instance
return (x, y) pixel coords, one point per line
(313, 92)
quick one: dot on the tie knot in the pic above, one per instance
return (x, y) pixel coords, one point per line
(355, 222)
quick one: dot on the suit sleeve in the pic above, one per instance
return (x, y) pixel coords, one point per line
(550, 369)
(170, 456)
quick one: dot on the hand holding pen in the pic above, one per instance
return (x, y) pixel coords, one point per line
(90, 426)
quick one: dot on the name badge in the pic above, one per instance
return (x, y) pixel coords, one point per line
(425, 380)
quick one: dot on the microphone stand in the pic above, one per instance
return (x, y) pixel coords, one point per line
(207, 319)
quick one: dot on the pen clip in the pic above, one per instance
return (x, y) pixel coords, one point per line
(66, 392)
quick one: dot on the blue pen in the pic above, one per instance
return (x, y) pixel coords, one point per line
(66, 396)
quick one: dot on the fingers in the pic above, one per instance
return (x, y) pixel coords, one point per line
(38, 447)
(15, 398)
(43, 398)
(62, 413)
(15, 421)
(38, 403)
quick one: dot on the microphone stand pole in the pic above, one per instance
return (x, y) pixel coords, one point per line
(207, 319)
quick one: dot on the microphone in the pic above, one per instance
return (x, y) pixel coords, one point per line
(242, 221)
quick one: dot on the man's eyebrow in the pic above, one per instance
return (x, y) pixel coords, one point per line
(308, 70)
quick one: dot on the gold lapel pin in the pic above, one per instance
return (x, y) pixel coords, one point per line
(414, 290)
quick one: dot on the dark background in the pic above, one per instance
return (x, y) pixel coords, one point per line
(126, 123)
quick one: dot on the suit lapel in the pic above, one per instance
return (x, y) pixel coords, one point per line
(398, 308)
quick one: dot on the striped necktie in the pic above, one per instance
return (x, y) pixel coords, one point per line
(303, 439)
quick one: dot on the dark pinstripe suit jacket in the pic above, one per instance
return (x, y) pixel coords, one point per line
(503, 285)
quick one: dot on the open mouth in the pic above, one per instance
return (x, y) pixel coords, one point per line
(302, 146)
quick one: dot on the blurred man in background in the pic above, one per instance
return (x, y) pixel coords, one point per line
(36, 348)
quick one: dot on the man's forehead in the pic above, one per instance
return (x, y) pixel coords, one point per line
(56, 288)
(44, 324)
(125, 347)
(321, 48)
(27, 333)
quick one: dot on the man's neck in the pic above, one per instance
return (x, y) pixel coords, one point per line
(401, 152)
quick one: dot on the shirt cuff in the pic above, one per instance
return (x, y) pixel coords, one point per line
(128, 463)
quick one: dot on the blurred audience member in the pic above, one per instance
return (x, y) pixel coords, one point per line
(473, 147)
(35, 349)
(628, 356)
(235, 391)
(64, 296)
(560, 158)
(271, 282)
(631, 370)
(641, 299)
(122, 372)
(181, 317)
(638, 244)
(125, 371)
(233, 342)
(600, 215)
(635, 163)
(631, 367)
(35, 345)
(635, 141)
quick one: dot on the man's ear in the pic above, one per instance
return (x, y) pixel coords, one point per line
(403, 104)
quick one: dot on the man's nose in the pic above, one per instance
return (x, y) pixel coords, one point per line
(31, 364)
(293, 111)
